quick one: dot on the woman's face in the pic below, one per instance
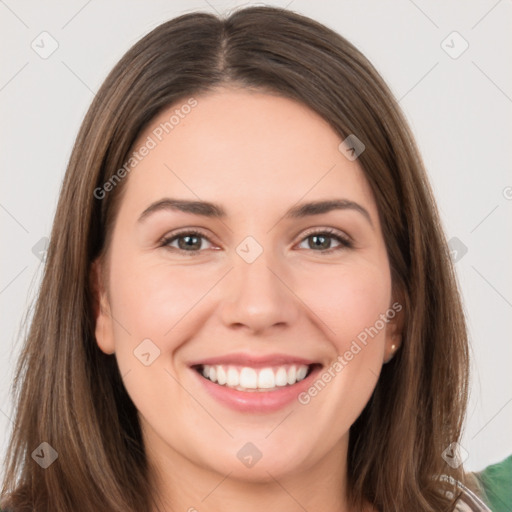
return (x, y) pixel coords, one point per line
(218, 267)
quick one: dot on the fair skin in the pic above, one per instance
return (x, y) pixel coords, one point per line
(256, 155)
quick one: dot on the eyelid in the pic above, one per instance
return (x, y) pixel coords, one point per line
(166, 239)
(185, 231)
(345, 240)
(327, 230)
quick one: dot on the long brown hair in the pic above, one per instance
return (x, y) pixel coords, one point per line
(70, 394)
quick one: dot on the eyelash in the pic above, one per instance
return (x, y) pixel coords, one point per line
(345, 242)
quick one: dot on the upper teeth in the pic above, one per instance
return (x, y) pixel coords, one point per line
(246, 378)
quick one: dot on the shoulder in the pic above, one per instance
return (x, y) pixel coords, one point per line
(496, 481)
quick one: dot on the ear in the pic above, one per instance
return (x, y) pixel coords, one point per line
(394, 330)
(103, 331)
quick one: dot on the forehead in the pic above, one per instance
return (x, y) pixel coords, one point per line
(259, 148)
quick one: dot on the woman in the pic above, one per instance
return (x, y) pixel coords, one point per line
(248, 300)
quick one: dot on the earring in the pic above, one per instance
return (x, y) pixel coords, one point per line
(392, 354)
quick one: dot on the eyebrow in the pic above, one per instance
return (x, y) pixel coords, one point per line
(212, 210)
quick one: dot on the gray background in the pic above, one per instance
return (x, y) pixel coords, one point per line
(458, 106)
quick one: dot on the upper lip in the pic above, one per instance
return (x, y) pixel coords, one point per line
(253, 360)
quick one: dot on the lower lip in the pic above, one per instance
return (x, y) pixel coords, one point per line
(257, 401)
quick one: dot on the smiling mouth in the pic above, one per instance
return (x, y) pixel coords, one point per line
(245, 378)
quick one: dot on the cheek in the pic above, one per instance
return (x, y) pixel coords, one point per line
(350, 303)
(154, 302)
(350, 300)
(151, 299)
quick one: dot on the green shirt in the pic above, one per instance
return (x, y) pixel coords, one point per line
(496, 481)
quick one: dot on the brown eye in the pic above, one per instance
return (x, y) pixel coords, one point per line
(187, 241)
(322, 241)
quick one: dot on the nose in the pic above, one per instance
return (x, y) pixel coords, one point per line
(259, 297)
